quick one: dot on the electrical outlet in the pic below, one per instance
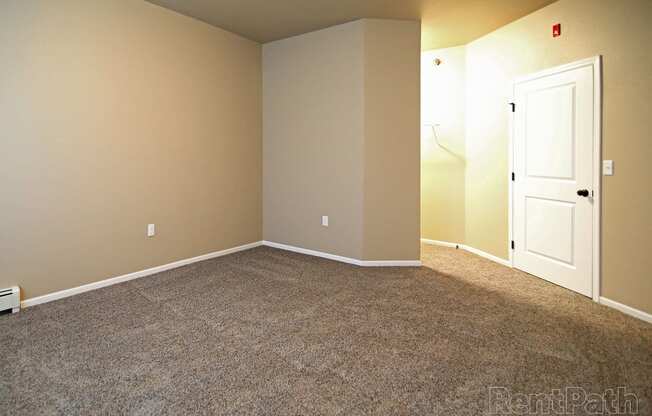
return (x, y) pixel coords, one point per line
(151, 230)
(607, 167)
(324, 220)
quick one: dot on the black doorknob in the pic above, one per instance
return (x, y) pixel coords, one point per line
(583, 192)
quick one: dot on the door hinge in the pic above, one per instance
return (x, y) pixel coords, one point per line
(513, 177)
(513, 107)
(513, 245)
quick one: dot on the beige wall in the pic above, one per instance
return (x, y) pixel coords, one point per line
(116, 114)
(341, 139)
(621, 32)
(443, 169)
(313, 140)
(391, 143)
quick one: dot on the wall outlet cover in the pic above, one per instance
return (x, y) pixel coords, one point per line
(607, 167)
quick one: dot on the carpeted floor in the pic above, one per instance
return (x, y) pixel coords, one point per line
(272, 332)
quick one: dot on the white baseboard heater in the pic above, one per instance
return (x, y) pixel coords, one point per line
(10, 300)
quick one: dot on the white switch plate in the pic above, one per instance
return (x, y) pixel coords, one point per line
(608, 167)
(324, 221)
(151, 230)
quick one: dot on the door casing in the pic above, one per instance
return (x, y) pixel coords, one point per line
(596, 63)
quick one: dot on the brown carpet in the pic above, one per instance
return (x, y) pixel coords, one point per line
(272, 332)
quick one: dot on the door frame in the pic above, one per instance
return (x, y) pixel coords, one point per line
(596, 63)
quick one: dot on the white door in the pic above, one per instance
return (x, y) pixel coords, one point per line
(553, 159)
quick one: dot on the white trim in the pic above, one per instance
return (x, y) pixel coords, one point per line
(311, 252)
(486, 255)
(596, 63)
(131, 276)
(626, 309)
(342, 259)
(440, 243)
(470, 249)
(597, 177)
(390, 263)
(592, 61)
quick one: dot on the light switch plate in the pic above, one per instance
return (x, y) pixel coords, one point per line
(324, 221)
(607, 167)
(151, 230)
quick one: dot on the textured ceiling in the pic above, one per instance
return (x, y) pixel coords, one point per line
(444, 22)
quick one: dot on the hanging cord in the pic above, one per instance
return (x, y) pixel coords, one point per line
(434, 134)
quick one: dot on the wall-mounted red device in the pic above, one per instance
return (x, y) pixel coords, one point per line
(556, 30)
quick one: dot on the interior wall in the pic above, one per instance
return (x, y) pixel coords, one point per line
(116, 114)
(391, 142)
(313, 121)
(443, 89)
(619, 31)
(341, 138)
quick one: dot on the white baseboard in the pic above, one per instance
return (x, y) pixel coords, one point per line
(50, 297)
(626, 309)
(131, 276)
(362, 263)
(486, 255)
(440, 243)
(470, 249)
(389, 263)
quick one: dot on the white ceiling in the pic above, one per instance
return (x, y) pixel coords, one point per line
(444, 22)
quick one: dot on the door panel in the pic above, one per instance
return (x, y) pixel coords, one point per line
(550, 134)
(555, 243)
(553, 159)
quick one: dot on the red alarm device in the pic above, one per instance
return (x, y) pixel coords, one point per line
(556, 30)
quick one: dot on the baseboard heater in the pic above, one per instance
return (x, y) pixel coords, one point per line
(10, 300)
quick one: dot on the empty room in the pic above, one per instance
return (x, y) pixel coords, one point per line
(325, 207)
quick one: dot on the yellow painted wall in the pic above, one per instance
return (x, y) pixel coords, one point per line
(443, 167)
